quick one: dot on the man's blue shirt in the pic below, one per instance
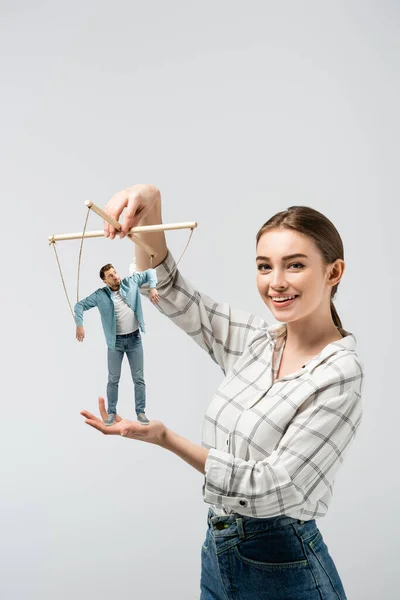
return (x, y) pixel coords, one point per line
(102, 298)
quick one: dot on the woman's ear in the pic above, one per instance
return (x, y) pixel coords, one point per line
(336, 272)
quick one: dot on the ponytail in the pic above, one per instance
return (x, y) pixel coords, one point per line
(335, 316)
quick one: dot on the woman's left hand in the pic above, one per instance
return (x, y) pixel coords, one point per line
(154, 433)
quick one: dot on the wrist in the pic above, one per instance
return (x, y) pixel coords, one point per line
(153, 215)
(165, 439)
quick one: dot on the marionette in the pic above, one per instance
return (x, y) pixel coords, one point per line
(119, 304)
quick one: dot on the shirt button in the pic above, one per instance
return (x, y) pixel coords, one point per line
(243, 502)
(227, 442)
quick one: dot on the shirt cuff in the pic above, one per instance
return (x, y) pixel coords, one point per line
(165, 270)
(218, 472)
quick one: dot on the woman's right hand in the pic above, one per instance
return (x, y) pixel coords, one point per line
(138, 201)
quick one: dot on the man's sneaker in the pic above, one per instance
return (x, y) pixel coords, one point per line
(143, 419)
(110, 419)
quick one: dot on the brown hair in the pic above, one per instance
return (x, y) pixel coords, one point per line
(319, 228)
(104, 269)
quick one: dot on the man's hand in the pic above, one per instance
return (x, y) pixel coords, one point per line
(80, 333)
(154, 296)
(154, 433)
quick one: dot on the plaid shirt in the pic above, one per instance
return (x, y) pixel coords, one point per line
(275, 445)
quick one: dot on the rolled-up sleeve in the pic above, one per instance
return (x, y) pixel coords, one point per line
(142, 278)
(217, 328)
(83, 305)
(301, 469)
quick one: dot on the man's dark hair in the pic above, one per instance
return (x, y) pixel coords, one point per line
(104, 269)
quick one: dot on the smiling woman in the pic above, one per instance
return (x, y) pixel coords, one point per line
(282, 420)
(315, 239)
(299, 267)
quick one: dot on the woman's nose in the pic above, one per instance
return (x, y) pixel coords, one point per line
(278, 280)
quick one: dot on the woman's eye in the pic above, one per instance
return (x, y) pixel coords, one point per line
(264, 267)
(260, 267)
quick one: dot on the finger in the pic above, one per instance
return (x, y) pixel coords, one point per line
(102, 408)
(106, 225)
(130, 215)
(110, 210)
(88, 415)
(119, 203)
(99, 425)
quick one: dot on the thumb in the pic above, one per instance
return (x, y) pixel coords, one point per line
(102, 408)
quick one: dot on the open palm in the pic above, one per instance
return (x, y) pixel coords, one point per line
(153, 433)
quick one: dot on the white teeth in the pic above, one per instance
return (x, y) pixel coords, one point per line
(282, 298)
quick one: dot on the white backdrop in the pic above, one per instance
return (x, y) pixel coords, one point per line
(235, 111)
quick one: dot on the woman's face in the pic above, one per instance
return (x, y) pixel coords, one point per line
(289, 264)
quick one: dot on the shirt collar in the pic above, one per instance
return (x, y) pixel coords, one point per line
(348, 342)
(276, 330)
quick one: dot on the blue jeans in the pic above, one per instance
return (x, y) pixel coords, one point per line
(278, 558)
(131, 345)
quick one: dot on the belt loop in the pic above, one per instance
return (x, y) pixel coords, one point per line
(239, 524)
(209, 516)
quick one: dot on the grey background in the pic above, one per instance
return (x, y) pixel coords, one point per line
(234, 111)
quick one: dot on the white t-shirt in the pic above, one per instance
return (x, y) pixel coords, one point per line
(125, 317)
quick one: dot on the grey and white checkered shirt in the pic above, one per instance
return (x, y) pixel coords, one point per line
(275, 446)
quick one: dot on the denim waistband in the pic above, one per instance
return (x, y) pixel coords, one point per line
(227, 524)
(125, 335)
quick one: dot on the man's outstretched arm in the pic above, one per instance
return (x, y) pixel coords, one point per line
(148, 276)
(79, 308)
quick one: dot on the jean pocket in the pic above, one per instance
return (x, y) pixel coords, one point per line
(278, 548)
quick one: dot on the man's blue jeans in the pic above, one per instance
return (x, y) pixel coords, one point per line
(131, 345)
